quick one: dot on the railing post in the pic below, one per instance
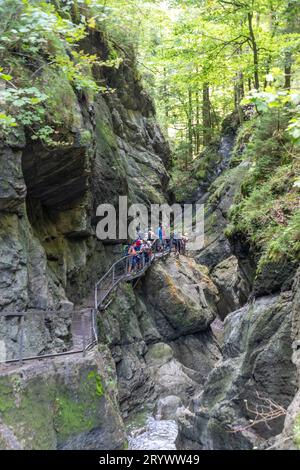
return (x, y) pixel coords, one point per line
(21, 339)
(96, 297)
(91, 325)
(113, 276)
(94, 324)
(83, 335)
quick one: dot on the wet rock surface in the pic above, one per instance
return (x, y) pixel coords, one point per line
(193, 295)
(290, 436)
(256, 365)
(156, 435)
(43, 332)
(167, 407)
(160, 349)
(233, 288)
(69, 403)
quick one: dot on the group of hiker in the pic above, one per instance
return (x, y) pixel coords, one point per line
(140, 252)
(174, 242)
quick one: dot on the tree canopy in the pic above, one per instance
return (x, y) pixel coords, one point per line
(200, 59)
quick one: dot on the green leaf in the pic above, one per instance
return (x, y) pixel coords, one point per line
(5, 77)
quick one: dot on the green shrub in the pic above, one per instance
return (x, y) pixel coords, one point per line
(267, 210)
(297, 431)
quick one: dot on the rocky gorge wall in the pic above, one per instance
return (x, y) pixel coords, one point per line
(201, 341)
(257, 376)
(197, 339)
(160, 337)
(50, 257)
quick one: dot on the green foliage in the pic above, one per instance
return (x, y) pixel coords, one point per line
(185, 180)
(283, 101)
(78, 70)
(5, 76)
(26, 105)
(297, 431)
(182, 185)
(268, 207)
(61, 109)
(243, 138)
(93, 376)
(6, 122)
(230, 48)
(85, 137)
(38, 36)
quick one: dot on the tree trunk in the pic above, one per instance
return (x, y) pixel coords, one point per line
(190, 126)
(197, 132)
(239, 95)
(206, 115)
(255, 51)
(288, 71)
(273, 25)
(165, 94)
(292, 15)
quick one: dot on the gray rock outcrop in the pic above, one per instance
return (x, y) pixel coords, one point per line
(256, 367)
(69, 403)
(159, 334)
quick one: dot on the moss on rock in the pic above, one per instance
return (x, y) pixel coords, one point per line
(57, 405)
(297, 431)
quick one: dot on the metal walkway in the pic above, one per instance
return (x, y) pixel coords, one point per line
(121, 271)
(84, 321)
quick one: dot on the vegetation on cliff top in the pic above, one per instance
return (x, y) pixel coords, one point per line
(267, 210)
(43, 65)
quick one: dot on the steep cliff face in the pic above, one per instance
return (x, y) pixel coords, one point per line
(256, 367)
(160, 336)
(50, 257)
(290, 436)
(257, 377)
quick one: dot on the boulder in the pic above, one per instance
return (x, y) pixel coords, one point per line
(181, 297)
(256, 367)
(233, 289)
(167, 407)
(69, 403)
(159, 354)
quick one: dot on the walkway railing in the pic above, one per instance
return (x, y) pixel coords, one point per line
(83, 332)
(84, 321)
(122, 270)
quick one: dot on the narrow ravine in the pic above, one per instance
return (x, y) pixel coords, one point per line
(153, 435)
(148, 430)
(109, 111)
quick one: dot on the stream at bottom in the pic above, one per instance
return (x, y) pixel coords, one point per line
(148, 433)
